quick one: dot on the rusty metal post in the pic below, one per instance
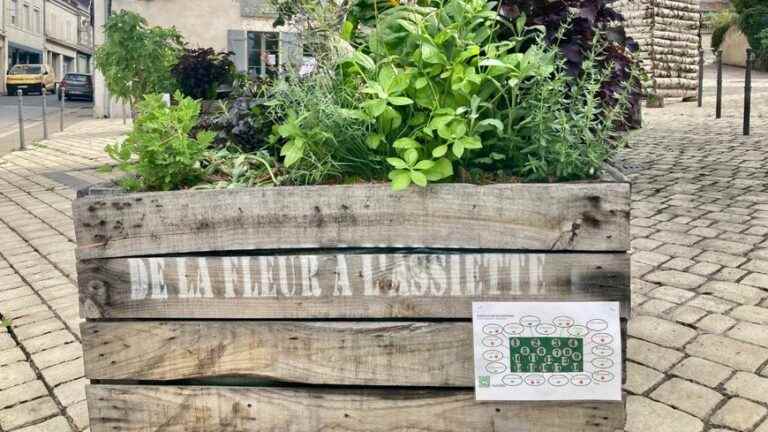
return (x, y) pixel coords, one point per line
(20, 94)
(45, 113)
(748, 91)
(719, 103)
(700, 98)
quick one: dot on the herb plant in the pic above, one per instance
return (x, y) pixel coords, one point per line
(160, 151)
(200, 71)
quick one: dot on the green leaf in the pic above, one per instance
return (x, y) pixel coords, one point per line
(471, 142)
(458, 148)
(411, 156)
(363, 60)
(424, 165)
(374, 140)
(432, 54)
(419, 178)
(443, 168)
(401, 179)
(409, 26)
(420, 82)
(375, 107)
(440, 151)
(399, 100)
(493, 122)
(397, 163)
(405, 143)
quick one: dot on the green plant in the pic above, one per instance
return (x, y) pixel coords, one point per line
(739, 6)
(159, 152)
(720, 23)
(200, 71)
(135, 59)
(763, 37)
(753, 22)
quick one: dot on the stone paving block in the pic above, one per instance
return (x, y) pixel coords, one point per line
(660, 331)
(678, 264)
(739, 414)
(675, 238)
(71, 392)
(63, 372)
(729, 274)
(642, 287)
(754, 265)
(652, 355)
(644, 244)
(727, 351)
(654, 307)
(641, 378)
(79, 414)
(6, 341)
(755, 314)
(11, 355)
(639, 269)
(15, 374)
(686, 396)
(672, 294)
(705, 232)
(36, 329)
(729, 247)
(687, 314)
(645, 415)
(711, 304)
(19, 303)
(749, 332)
(735, 292)
(702, 371)
(650, 258)
(60, 354)
(675, 250)
(22, 393)
(704, 268)
(749, 386)
(675, 278)
(730, 227)
(27, 413)
(673, 226)
(723, 259)
(756, 279)
(715, 323)
(760, 254)
(56, 424)
(48, 340)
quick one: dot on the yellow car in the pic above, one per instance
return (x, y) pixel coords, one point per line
(30, 78)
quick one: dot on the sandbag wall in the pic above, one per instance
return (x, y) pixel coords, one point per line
(668, 34)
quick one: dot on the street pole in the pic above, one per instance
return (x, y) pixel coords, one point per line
(719, 105)
(20, 94)
(62, 106)
(748, 91)
(701, 77)
(45, 113)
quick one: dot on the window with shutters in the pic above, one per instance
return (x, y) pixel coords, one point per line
(263, 54)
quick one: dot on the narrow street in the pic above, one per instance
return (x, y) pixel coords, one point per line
(75, 111)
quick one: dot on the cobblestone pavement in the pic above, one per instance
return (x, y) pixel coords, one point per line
(41, 368)
(698, 351)
(698, 348)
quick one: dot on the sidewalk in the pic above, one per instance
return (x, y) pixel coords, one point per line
(41, 365)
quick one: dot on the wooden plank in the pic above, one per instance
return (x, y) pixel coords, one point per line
(562, 216)
(130, 408)
(353, 285)
(427, 354)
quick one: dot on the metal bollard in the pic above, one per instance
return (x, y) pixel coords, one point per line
(20, 94)
(748, 91)
(719, 103)
(62, 107)
(45, 113)
(700, 98)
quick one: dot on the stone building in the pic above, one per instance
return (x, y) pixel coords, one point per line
(68, 37)
(243, 27)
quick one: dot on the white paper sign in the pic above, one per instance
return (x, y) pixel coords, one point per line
(547, 351)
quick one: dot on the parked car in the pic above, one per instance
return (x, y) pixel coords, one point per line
(77, 86)
(30, 78)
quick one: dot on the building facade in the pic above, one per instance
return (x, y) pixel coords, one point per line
(243, 27)
(68, 37)
(56, 32)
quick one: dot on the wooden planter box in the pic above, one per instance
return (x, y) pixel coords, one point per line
(331, 308)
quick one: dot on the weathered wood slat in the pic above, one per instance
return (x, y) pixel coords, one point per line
(570, 216)
(426, 354)
(393, 285)
(128, 408)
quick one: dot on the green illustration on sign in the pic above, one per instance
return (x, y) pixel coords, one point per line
(546, 354)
